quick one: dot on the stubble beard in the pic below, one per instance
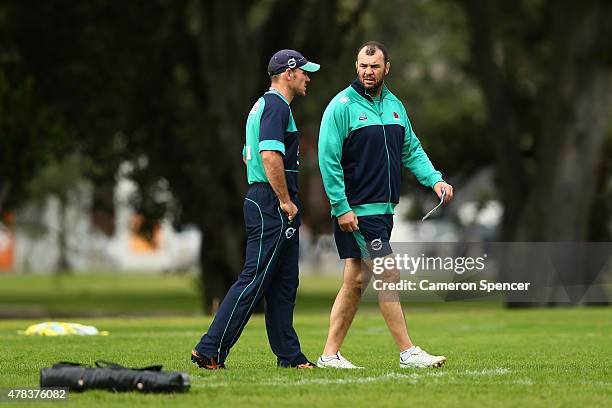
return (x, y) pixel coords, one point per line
(376, 88)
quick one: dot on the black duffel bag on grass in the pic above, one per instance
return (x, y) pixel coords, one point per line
(113, 377)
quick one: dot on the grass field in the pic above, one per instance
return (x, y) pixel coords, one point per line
(552, 357)
(107, 294)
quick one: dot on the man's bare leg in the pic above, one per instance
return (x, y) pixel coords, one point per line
(355, 281)
(347, 303)
(391, 309)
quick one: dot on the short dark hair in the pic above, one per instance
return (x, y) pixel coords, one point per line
(372, 46)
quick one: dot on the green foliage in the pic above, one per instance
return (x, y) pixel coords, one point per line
(428, 43)
(166, 85)
(59, 179)
(31, 136)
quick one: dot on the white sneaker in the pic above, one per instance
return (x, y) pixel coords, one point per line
(336, 361)
(421, 359)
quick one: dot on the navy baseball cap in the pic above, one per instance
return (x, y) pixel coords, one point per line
(284, 59)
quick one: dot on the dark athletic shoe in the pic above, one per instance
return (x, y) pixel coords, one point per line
(306, 365)
(205, 362)
(301, 366)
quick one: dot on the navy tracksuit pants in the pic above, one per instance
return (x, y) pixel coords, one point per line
(270, 271)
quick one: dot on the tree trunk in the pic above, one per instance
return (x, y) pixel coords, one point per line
(103, 207)
(5, 189)
(574, 121)
(63, 266)
(503, 118)
(555, 204)
(221, 47)
(221, 254)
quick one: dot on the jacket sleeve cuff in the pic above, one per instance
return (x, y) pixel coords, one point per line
(270, 144)
(340, 208)
(434, 179)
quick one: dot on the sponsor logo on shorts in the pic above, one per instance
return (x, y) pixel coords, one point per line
(376, 244)
(289, 232)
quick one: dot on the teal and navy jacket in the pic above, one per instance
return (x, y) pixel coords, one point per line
(270, 126)
(363, 144)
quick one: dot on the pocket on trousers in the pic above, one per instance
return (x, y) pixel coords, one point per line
(252, 216)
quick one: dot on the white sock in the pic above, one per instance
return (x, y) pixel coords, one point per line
(406, 353)
(328, 358)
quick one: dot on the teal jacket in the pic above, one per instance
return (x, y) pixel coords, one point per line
(363, 144)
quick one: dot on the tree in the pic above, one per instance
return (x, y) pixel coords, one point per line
(213, 55)
(64, 180)
(166, 86)
(62, 75)
(549, 123)
(23, 120)
(547, 86)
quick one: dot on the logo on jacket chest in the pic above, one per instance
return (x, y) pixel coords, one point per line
(255, 108)
(363, 117)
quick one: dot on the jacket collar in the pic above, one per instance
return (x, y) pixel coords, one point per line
(280, 95)
(360, 89)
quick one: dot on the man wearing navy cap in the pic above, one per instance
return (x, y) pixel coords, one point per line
(272, 219)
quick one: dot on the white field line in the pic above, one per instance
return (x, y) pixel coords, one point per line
(488, 371)
(318, 381)
(412, 378)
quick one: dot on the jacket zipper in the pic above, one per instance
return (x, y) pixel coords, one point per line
(379, 115)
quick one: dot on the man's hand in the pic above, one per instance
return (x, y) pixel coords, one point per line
(289, 208)
(275, 171)
(441, 186)
(348, 222)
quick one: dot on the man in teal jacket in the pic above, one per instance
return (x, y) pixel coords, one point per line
(365, 140)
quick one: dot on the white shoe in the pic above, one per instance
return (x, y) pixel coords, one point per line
(336, 361)
(421, 359)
